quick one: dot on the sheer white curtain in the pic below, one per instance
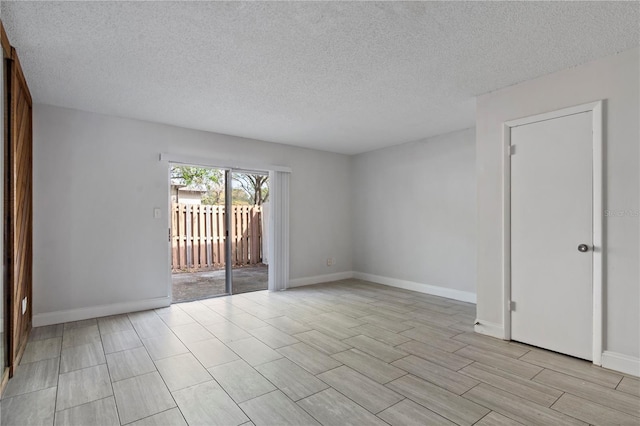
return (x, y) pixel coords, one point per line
(279, 231)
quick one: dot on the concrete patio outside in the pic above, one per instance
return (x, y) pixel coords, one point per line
(201, 285)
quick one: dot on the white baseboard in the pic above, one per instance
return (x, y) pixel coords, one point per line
(489, 329)
(449, 293)
(623, 363)
(317, 279)
(59, 317)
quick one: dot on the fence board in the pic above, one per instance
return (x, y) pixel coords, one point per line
(189, 236)
(174, 235)
(182, 235)
(256, 227)
(222, 255)
(234, 235)
(203, 237)
(209, 239)
(198, 236)
(245, 232)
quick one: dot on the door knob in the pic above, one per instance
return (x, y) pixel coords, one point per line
(583, 248)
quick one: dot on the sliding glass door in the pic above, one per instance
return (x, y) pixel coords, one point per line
(249, 228)
(218, 228)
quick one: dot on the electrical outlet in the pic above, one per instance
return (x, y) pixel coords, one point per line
(24, 305)
(331, 261)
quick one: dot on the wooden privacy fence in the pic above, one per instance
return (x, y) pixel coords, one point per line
(198, 236)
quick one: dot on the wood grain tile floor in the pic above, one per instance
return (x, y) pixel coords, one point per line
(342, 353)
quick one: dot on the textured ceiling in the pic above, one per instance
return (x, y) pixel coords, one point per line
(338, 76)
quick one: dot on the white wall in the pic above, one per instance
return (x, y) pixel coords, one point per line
(97, 180)
(414, 215)
(615, 79)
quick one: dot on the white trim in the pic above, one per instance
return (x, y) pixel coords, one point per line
(598, 231)
(317, 279)
(169, 237)
(596, 109)
(59, 317)
(219, 163)
(489, 329)
(623, 363)
(449, 293)
(506, 235)
(590, 106)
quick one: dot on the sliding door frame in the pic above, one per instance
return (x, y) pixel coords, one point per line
(229, 168)
(230, 228)
(228, 250)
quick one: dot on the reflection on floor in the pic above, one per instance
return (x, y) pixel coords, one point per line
(201, 285)
(348, 352)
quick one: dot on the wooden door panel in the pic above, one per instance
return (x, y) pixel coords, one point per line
(20, 167)
(5, 358)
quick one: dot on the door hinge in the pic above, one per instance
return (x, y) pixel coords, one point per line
(512, 149)
(169, 234)
(511, 305)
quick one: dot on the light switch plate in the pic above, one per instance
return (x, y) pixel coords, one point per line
(157, 213)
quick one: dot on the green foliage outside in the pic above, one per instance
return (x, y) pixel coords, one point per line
(197, 176)
(248, 189)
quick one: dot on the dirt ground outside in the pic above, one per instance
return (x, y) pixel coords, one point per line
(201, 285)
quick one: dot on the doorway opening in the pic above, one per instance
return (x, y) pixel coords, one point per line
(219, 231)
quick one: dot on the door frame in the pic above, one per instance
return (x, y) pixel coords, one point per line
(6, 308)
(596, 108)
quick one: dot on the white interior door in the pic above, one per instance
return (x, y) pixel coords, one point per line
(551, 216)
